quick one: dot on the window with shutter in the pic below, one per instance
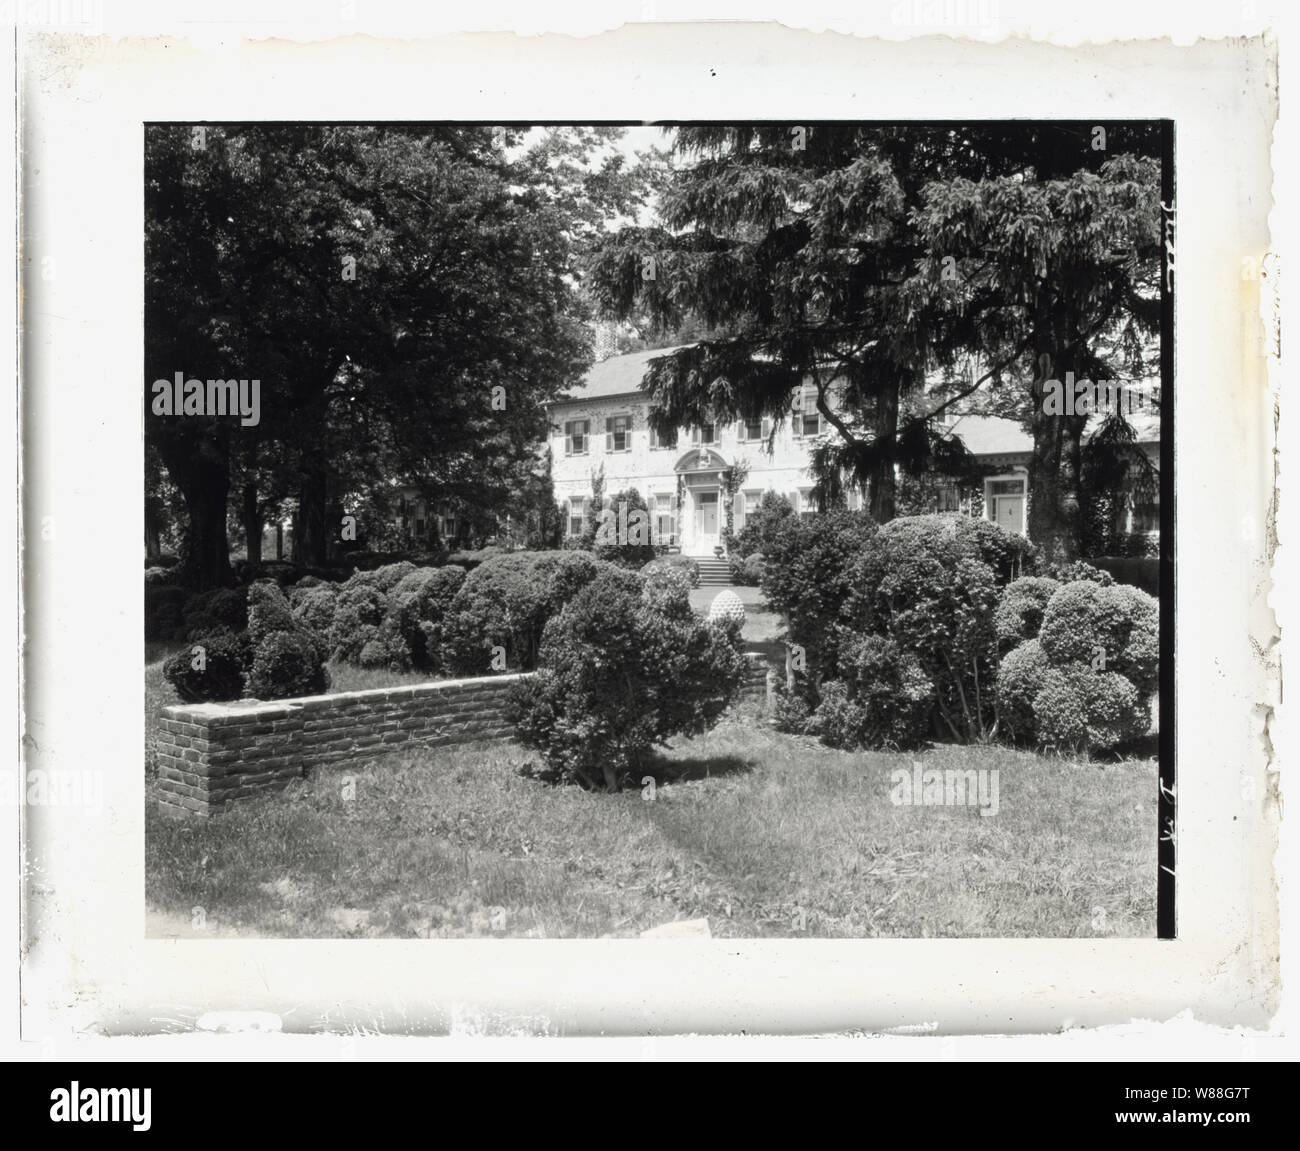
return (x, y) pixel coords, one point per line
(665, 520)
(807, 419)
(577, 515)
(658, 440)
(737, 511)
(618, 434)
(575, 437)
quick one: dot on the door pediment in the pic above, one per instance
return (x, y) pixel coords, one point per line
(704, 461)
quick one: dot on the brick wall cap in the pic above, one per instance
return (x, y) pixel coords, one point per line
(283, 708)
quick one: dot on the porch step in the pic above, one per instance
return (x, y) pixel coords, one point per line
(714, 572)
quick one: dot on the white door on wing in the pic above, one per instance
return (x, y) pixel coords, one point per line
(1011, 513)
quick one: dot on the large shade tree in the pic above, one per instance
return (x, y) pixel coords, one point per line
(404, 294)
(1054, 258)
(795, 246)
(868, 258)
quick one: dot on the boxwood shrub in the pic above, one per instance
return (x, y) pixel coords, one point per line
(221, 609)
(210, 669)
(288, 659)
(1020, 612)
(506, 602)
(622, 668)
(680, 563)
(1085, 682)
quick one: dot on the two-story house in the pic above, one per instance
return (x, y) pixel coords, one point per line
(696, 483)
(704, 480)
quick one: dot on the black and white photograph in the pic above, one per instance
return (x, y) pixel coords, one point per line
(651, 541)
(603, 531)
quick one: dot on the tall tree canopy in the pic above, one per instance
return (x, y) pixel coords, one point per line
(1056, 254)
(405, 295)
(864, 257)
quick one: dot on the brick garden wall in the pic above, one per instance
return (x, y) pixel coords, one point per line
(210, 754)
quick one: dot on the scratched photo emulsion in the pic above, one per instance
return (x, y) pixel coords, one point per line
(592, 530)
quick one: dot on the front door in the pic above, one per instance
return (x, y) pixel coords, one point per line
(1011, 513)
(706, 522)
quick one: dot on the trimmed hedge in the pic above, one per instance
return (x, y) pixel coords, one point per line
(212, 669)
(287, 664)
(885, 701)
(506, 603)
(931, 586)
(680, 563)
(1116, 626)
(358, 611)
(288, 659)
(1142, 572)
(417, 611)
(1085, 682)
(1078, 708)
(221, 609)
(314, 606)
(1020, 613)
(622, 668)
(808, 576)
(1020, 676)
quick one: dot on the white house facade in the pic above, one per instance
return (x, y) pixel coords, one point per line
(696, 484)
(703, 481)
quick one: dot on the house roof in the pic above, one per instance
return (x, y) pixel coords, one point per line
(983, 435)
(991, 435)
(996, 436)
(616, 376)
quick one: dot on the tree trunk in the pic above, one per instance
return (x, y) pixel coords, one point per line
(205, 486)
(252, 519)
(882, 481)
(279, 539)
(310, 531)
(1054, 521)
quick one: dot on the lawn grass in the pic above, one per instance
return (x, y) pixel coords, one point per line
(762, 833)
(762, 625)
